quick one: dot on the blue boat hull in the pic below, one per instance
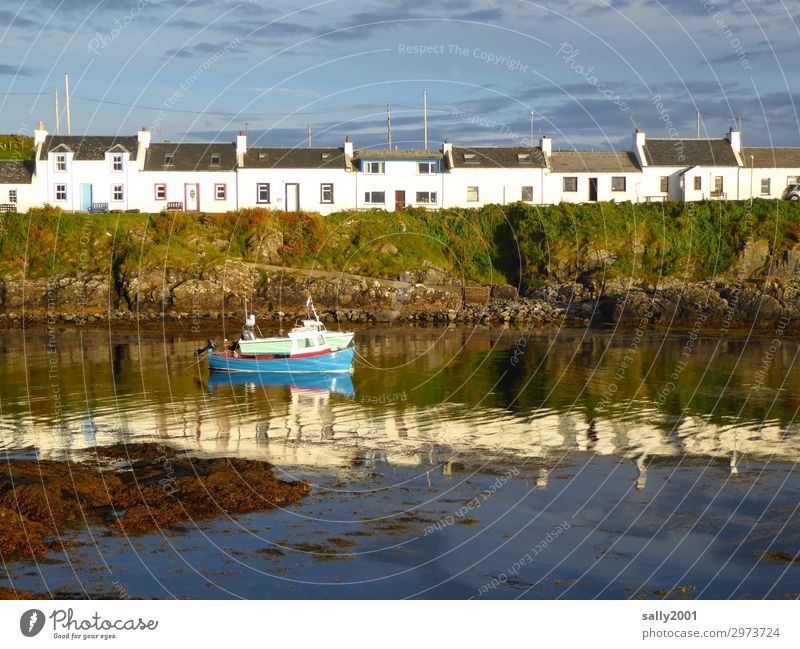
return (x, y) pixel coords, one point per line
(341, 361)
(318, 381)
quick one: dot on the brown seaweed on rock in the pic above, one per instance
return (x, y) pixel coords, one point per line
(134, 488)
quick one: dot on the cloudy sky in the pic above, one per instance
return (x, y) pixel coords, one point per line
(590, 70)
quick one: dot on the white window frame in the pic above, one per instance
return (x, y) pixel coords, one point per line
(522, 193)
(216, 159)
(475, 191)
(663, 180)
(564, 184)
(61, 188)
(769, 186)
(117, 193)
(224, 188)
(169, 159)
(117, 161)
(371, 165)
(61, 162)
(370, 196)
(719, 185)
(156, 188)
(427, 198)
(624, 180)
(323, 188)
(259, 188)
(430, 165)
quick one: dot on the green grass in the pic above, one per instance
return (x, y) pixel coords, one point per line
(16, 147)
(493, 244)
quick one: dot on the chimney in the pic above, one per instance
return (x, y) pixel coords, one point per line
(735, 138)
(144, 138)
(241, 148)
(546, 145)
(39, 135)
(447, 152)
(638, 146)
(348, 153)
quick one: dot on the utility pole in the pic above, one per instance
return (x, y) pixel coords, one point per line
(531, 129)
(751, 183)
(58, 127)
(425, 119)
(69, 121)
(309, 136)
(698, 124)
(389, 125)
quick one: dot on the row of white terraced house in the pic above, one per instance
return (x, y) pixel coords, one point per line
(119, 173)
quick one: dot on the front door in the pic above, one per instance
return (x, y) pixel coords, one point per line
(191, 197)
(399, 201)
(592, 189)
(292, 197)
(86, 198)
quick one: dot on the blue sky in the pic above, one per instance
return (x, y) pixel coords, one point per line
(589, 70)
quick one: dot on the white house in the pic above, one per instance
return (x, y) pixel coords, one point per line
(589, 176)
(688, 169)
(768, 170)
(499, 174)
(78, 172)
(394, 179)
(314, 179)
(16, 187)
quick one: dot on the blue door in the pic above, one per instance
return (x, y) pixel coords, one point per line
(86, 198)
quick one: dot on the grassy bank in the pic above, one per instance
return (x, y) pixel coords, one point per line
(494, 244)
(16, 147)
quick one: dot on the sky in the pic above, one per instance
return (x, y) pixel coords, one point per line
(590, 71)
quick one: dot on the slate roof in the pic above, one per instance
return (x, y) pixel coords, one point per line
(16, 172)
(284, 158)
(90, 147)
(497, 157)
(593, 161)
(190, 156)
(689, 152)
(397, 154)
(772, 157)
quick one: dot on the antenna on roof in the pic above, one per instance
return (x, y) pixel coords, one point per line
(58, 127)
(66, 85)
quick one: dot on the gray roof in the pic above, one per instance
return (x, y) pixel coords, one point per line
(593, 161)
(90, 147)
(397, 154)
(283, 158)
(689, 152)
(772, 157)
(498, 157)
(190, 156)
(16, 172)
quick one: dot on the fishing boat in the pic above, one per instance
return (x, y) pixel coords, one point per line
(250, 343)
(301, 352)
(341, 383)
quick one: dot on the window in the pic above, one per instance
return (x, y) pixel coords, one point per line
(12, 195)
(792, 180)
(426, 168)
(765, 187)
(61, 161)
(220, 192)
(617, 183)
(665, 184)
(426, 198)
(570, 183)
(326, 193)
(472, 194)
(215, 158)
(61, 192)
(168, 159)
(161, 192)
(527, 193)
(377, 198)
(117, 193)
(263, 155)
(698, 183)
(374, 168)
(471, 158)
(523, 158)
(717, 186)
(116, 162)
(262, 193)
(325, 156)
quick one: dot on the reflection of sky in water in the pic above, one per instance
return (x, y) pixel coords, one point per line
(685, 492)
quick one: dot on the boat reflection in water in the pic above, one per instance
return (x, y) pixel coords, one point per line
(327, 383)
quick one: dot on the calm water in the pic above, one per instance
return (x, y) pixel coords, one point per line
(454, 463)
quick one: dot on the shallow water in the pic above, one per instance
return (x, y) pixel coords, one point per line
(453, 463)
